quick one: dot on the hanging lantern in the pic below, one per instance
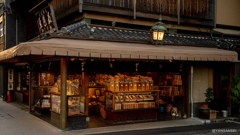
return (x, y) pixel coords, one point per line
(157, 32)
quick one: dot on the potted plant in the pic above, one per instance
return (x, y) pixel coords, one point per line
(209, 97)
(235, 94)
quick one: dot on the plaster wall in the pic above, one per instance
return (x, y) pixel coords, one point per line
(228, 12)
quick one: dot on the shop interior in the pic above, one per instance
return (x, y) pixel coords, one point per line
(109, 91)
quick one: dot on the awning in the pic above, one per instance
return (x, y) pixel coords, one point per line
(105, 49)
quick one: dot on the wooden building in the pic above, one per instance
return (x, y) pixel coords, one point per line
(95, 40)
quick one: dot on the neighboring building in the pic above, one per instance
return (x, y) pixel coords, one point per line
(197, 23)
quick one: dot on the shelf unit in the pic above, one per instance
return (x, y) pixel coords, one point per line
(171, 86)
(76, 100)
(124, 110)
(154, 94)
(96, 86)
(75, 104)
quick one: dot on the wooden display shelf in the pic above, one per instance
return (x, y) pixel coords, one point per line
(46, 86)
(96, 86)
(58, 93)
(132, 91)
(42, 107)
(55, 93)
(75, 95)
(74, 114)
(127, 110)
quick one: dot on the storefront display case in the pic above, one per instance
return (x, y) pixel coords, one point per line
(75, 104)
(76, 110)
(43, 97)
(131, 106)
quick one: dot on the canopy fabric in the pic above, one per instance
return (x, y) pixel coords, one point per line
(105, 49)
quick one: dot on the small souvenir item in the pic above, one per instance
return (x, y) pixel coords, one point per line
(126, 98)
(116, 99)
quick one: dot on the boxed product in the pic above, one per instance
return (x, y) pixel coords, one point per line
(117, 106)
(139, 97)
(132, 98)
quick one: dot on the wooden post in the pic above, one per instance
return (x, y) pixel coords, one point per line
(172, 97)
(157, 98)
(30, 87)
(113, 101)
(85, 78)
(63, 108)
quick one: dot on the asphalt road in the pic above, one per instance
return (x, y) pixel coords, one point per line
(185, 130)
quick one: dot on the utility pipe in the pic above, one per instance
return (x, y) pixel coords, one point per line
(191, 91)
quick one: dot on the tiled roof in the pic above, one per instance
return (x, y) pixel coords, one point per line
(126, 35)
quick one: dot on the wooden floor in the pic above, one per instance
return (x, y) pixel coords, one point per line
(97, 121)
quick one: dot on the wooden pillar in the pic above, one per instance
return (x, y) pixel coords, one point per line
(30, 87)
(85, 78)
(172, 97)
(63, 104)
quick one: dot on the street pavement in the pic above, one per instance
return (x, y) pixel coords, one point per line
(206, 129)
(14, 121)
(17, 121)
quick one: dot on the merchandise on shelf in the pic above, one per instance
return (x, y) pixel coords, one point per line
(56, 103)
(121, 82)
(116, 99)
(45, 103)
(132, 98)
(73, 83)
(139, 105)
(129, 83)
(171, 84)
(126, 98)
(108, 103)
(139, 97)
(121, 99)
(148, 97)
(118, 106)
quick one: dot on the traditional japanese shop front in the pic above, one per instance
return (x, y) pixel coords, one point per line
(126, 82)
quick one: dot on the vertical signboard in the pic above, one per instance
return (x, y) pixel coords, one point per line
(10, 79)
(46, 20)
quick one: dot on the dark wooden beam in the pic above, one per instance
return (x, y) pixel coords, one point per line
(12, 60)
(35, 57)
